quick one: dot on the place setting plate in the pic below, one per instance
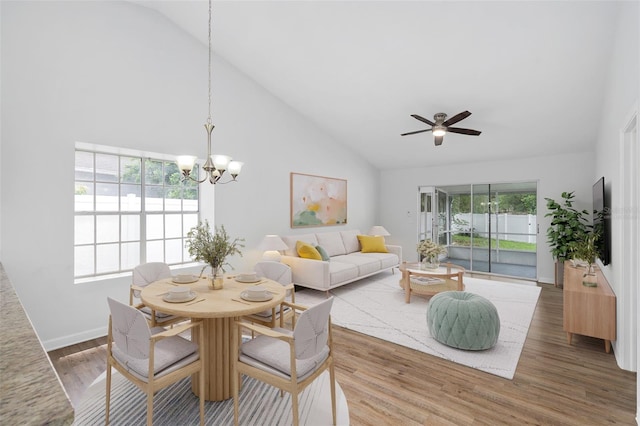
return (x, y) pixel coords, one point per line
(189, 297)
(184, 279)
(248, 280)
(263, 298)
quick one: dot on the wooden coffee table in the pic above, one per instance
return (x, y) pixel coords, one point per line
(448, 277)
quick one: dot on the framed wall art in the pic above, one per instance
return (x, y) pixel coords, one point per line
(317, 201)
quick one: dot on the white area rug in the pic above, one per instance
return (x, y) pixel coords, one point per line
(260, 405)
(375, 306)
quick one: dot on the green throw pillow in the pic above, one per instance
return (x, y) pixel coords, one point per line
(323, 253)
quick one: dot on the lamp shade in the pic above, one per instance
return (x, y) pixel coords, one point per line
(270, 245)
(379, 230)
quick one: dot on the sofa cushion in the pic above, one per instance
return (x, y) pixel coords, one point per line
(372, 244)
(291, 240)
(331, 242)
(350, 241)
(307, 251)
(387, 260)
(323, 253)
(365, 265)
(340, 272)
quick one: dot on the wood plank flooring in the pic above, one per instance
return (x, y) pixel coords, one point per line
(386, 384)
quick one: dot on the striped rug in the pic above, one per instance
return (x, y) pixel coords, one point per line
(260, 404)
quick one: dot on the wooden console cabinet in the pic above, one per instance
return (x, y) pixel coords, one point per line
(590, 311)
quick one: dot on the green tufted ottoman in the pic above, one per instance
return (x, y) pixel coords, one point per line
(463, 320)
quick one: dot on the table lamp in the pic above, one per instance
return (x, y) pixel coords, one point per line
(271, 244)
(378, 230)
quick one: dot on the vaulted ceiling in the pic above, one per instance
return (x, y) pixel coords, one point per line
(532, 73)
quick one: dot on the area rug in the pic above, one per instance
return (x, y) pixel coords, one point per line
(260, 404)
(376, 306)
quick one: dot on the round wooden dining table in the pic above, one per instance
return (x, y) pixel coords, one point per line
(218, 310)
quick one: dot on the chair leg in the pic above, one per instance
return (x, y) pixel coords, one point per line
(333, 392)
(149, 407)
(236, 411)
(294, 405)
(108, 394)
(201, 385)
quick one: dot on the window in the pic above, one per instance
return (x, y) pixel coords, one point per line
(130, 210)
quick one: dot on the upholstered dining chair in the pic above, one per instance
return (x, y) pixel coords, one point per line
(281, 273)
(143, 275)
(151, 358)
(288, 360)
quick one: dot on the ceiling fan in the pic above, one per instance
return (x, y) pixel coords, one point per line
(441, 127)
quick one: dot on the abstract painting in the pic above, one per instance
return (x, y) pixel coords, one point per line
(317, 201)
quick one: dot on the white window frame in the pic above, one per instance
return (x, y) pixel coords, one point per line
(142, 213)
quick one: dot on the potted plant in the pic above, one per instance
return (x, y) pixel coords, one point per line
(213, 249)
(586, 250)
(429, 253)
(568, 225)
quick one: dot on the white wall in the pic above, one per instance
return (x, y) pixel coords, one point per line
(622, 96)
(553, 173)
(114, 73)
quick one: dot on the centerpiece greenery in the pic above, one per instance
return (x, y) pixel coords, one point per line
(429, 252)
(586, 250)
(212, 248)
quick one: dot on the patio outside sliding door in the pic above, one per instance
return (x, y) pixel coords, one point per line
(487, 228)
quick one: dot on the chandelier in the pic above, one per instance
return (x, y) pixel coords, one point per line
(216, 165)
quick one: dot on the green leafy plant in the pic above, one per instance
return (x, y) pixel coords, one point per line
(212, 248)
(568, 225)
(585, 249)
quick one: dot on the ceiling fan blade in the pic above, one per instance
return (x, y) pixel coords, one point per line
(424, 120)
(463, 131)
(438, 140)
(457, 118)
(418, 131)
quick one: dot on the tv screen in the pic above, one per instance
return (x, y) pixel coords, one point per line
(602, 221)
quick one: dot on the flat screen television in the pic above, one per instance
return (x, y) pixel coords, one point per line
(602, 221)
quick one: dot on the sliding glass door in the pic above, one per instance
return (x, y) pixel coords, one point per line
(487, 228)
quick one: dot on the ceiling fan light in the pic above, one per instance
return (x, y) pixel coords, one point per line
(439, 131)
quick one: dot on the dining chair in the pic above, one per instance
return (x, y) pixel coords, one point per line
(281, 273)
(151, 358)
(288, 360)
(143, 275)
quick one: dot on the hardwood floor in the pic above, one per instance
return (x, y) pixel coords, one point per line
(554, 384)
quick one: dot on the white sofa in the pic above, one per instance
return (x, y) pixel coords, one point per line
(346, 264)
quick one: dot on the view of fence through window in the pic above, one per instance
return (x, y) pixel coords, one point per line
(486, 227)
(129, 210)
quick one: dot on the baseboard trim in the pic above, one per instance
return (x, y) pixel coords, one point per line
(72, 339)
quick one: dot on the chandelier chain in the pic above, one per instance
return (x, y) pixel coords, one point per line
(209, 116)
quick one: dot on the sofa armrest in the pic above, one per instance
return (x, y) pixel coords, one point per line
(397, 250)
(308, 272)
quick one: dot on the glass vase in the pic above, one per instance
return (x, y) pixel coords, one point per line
(216, 279)
(430, 263)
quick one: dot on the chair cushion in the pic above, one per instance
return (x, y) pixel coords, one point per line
(372, 244)
(307, 251)
(463, 320)
(168, 351)
(275, 353)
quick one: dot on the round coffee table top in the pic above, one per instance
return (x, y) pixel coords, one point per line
(443, 269)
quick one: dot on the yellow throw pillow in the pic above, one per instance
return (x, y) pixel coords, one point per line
(371, 244)
(307, 251)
